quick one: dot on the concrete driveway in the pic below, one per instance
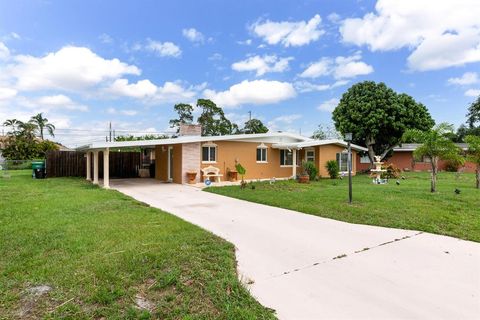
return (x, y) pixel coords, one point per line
(306, 267)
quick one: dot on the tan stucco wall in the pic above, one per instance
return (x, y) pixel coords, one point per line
(329, 152)
(246, 154)
(161, 163)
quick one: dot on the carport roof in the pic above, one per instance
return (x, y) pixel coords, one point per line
(313, 143)
(274, 137)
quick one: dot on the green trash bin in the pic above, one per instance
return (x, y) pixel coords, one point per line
(38, 168)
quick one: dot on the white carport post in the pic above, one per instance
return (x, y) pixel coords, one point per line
(95, 167)
(294, 163)
(106, 168)
(89, 170)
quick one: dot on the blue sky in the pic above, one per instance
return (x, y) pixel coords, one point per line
(85, 63)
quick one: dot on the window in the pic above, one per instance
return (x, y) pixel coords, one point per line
(364, 159)
(310, 155)
(209, 153)
(261, 154)
(286, 157)
(342, 160)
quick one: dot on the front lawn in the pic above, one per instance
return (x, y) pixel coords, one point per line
(409, 205)
(70, 250)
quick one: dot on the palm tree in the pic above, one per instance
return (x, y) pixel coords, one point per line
(27, 130)
(436, 145)
(42, 123)
(14, 123)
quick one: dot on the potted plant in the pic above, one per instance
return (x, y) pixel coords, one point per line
(191, 175)
(308, 169)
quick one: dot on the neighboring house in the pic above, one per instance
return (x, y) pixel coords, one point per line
(264, 156)
(404, 159)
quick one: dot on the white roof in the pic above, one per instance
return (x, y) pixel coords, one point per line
(279, 140)
(312, 143)
(273, 137)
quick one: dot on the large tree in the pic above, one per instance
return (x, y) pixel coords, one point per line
(42, 124)
(213, 120)
(436, 145)
(473, 115)
(473, 155)
(378, 117)
(185, 115)
(254, 126)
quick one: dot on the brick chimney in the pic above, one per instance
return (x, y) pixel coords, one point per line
(190, 130)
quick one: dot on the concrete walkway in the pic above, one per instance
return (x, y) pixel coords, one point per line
(306, 267)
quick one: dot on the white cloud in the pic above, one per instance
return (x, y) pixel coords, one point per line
(350, 67)
(59, 101)
(334, 17)
(4, 52)
(472, 93)
(289, 33)
(328, 105)
(215, 57)
(306, 86)
(466, 79)
(141, 89)
(339, 68)
(163, 49)
(283, 122)
(175, 92)
(7, 93)
(246, 42)
(122, 112)
(193, 35)
(262, 65)
(320, 68)
(252, 92)
(440, 33)
(70, 68)
(105, 38)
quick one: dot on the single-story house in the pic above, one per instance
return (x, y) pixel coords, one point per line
(404, 159)
(264, 156)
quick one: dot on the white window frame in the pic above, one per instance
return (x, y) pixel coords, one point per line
(262, 147)
(306, 154)
(210, 145)
(288, 165)
(340, 162)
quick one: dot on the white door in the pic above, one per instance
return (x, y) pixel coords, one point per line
(170, 163)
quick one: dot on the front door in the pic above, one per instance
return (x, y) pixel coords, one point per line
(170, 163)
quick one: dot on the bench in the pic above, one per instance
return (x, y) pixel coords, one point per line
(211, 172)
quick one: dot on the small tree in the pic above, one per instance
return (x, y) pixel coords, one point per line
(436, 145)
(241, 171)
(473, 155)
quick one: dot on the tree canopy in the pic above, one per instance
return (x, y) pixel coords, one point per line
(473, 115)
(326, 132)
(185, 115)
(42, 123)
(254, 126)
(378, 117)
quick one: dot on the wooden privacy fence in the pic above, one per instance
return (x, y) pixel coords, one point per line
(73, 164)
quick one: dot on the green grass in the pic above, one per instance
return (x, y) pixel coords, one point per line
(409, 205)
(98, 249)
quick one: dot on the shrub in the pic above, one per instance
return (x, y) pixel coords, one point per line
(393, 172)
(310, 169)
(452, 165)
(332, 168)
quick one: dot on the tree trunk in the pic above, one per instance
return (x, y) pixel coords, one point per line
(477, 174)
(371, 153)
(433, 187)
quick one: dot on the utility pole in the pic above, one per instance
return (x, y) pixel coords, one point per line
(249, 115)
(110, 131)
